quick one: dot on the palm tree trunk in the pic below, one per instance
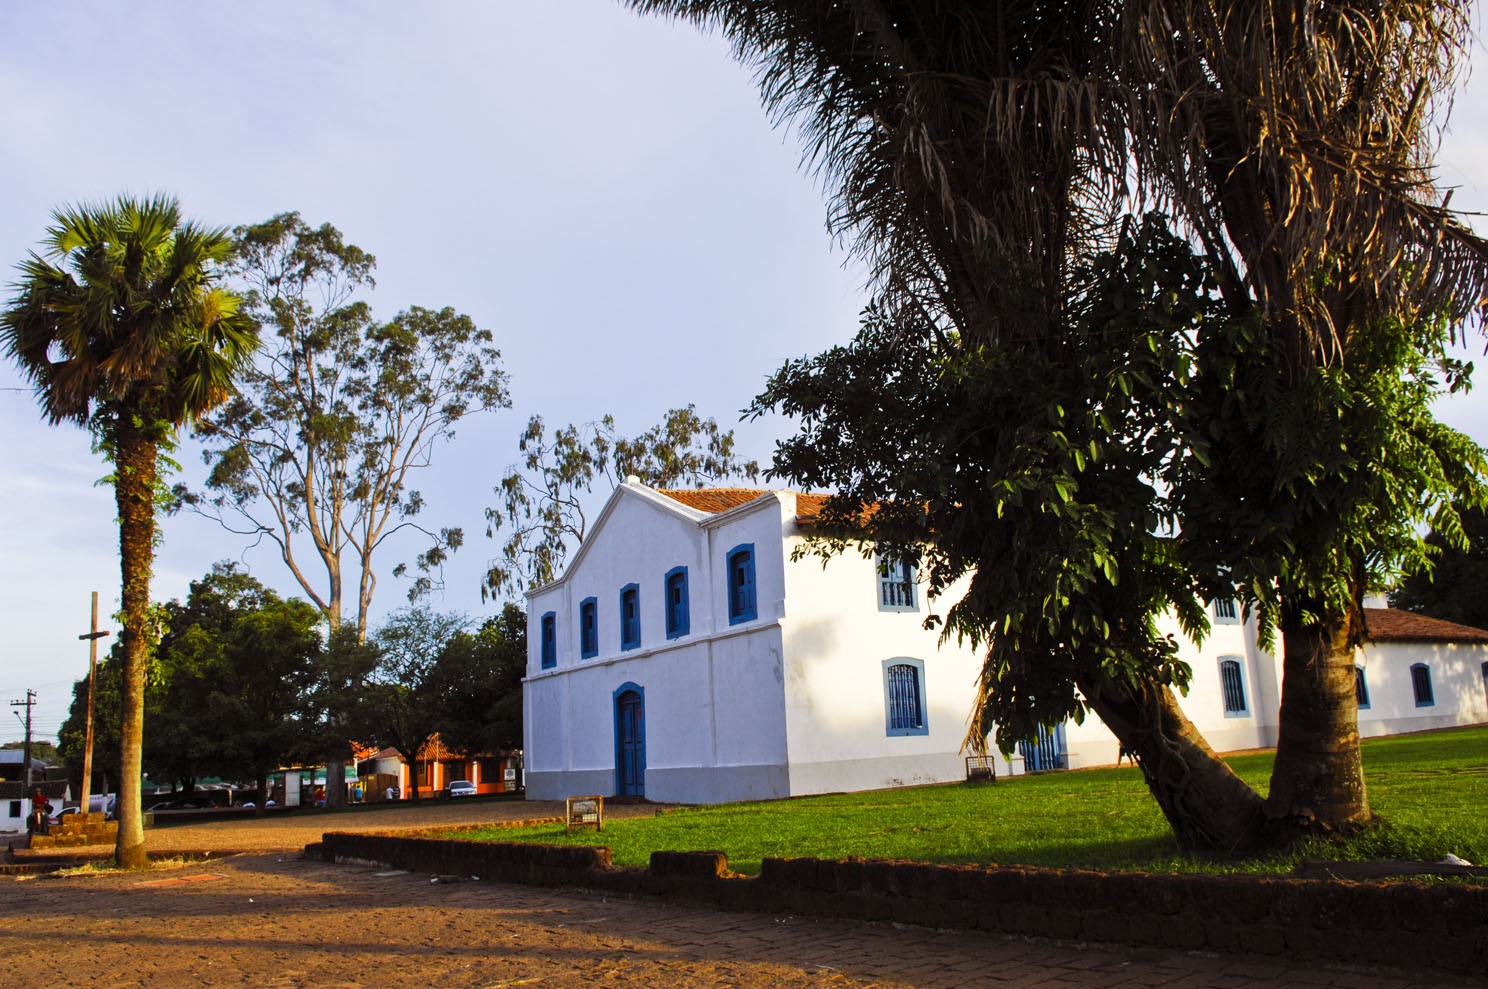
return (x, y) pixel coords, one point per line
(1206, 804)
(134, 493)
(1317, 781)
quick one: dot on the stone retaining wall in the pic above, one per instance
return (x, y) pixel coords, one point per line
(1408, 924)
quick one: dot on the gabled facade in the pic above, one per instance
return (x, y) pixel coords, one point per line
(686, 656)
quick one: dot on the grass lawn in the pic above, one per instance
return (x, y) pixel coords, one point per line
(1430, 791)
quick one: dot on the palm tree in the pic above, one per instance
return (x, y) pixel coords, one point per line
(119, 326)
(977, 153)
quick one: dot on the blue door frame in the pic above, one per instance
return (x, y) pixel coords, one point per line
(630, 741)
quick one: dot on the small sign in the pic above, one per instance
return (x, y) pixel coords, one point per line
(511, 774)
(585, 812)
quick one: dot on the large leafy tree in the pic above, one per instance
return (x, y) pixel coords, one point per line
(541, 511)
(1453, 584)
(233, 693)
(979, 156)
(318, 451)
(405, 695)
(121, 327)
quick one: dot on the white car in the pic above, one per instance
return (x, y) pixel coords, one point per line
(462, 788)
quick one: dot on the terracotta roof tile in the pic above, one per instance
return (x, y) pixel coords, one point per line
(714, 500)
(1393, 625)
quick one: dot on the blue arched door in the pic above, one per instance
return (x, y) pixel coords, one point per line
(630, 742)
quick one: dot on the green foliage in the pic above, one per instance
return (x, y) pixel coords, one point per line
(40, 749)
(107, 701)
(542, 500)
(236, 671)
(1315, 485)
(1036, 470)
(339, 411)
(121, 325)
(1429, 790)
(428, 673)
(1453, 584)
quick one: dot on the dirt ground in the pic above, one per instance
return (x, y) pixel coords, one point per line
(274, 918)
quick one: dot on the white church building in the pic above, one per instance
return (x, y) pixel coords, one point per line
(685, 656)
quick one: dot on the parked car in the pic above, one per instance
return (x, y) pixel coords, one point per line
(62, 814)
(462, 788)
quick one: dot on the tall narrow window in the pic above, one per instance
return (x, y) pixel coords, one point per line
(630, 616)
(588, 628)
(675, 588)
(1421, 684)
(1361, 688)
(1225, 611)
(549, 641)
(896, 585)
(1232, 687)
(1485, 678)
(904, 697)
(741, 597)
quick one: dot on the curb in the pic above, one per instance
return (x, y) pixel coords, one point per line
(1406, 924)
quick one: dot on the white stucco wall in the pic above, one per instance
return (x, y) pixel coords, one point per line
(1460, 695)
(837, 641)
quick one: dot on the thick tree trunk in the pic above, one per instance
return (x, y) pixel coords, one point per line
(134, 493)
(1207, 805)
(1317, 782)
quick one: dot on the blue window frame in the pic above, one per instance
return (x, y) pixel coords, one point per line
(904, 697)
(1232, 687)
(549, 641)
(741, 596)
(630, 616)
(674, 589)
(896, 585)
(1226, 612)
(588, 628)
(1361, 688)
(1421, 684)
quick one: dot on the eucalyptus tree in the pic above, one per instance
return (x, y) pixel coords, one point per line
(980, 157)
(122, 328)
(318, 451)
(541, 510)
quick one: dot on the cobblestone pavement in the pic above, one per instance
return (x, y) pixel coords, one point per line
(280, 920)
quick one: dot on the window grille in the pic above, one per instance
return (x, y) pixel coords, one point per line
(906, 713)
(1232, 685)
(1421, 684)
(896, 585)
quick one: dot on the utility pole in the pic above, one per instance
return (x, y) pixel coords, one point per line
(92, 637)
(26, 754)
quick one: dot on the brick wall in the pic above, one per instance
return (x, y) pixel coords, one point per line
(1409, 924)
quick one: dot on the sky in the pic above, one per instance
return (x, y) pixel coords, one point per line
(601, 190)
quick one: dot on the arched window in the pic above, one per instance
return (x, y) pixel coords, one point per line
(549, 641)
(1421, 684)
(589, 628)
(904, 697)
(630, 616)
(1361, 688)
(675, 589)
(1232, 687)
(741, 598)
